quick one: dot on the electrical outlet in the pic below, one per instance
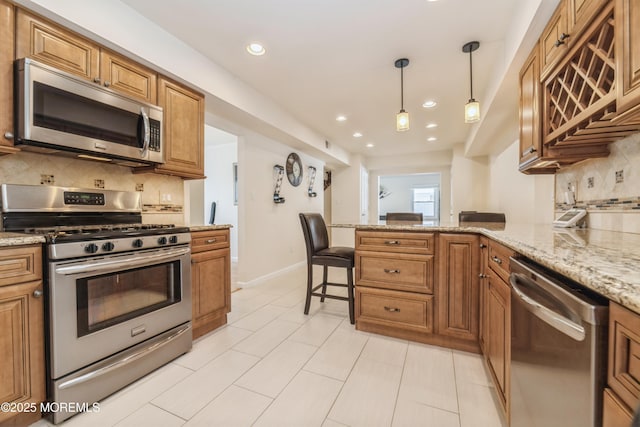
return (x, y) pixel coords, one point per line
(590, 182)
(139, 187)
(98, 183)
(619, 176)
(47, 180)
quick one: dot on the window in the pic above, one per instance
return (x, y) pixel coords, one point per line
(425, 200)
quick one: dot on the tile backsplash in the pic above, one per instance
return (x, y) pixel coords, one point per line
(608, 188)
(162, 195)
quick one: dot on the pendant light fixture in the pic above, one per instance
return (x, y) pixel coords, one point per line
(402, 118)
(472, 108)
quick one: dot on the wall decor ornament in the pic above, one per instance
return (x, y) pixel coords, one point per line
(279, 171)
(294, 169)
(312, 180)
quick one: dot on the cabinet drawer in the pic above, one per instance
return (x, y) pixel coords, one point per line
(397, 309)
(209, 240)
(395, 271)
(382, 241)
(614, 412)
(499, 259)
(20, 264)
(624, 354)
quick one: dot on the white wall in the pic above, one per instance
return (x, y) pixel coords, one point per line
(270, 238)
(401, 188)
(523, 198)
(221, 152)
(345, 202)
(468, 182)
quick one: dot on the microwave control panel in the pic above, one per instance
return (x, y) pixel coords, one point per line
(154, 135)
(83, 198)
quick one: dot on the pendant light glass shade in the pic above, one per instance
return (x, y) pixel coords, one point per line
(472, 111)
(402, 121)
(402, 118)
(472, 107)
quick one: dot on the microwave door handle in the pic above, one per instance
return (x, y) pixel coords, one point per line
(147, 133)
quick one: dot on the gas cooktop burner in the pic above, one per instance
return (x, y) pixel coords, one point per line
(57, 234)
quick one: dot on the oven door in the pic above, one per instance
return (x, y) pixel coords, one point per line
(99, 306)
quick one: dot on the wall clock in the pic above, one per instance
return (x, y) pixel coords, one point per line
(294, 169)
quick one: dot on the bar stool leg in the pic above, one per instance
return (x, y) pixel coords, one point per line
(351, 298)
(324, 282)
(307, 303)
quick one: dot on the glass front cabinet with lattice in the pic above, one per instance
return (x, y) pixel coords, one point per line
(576, 100)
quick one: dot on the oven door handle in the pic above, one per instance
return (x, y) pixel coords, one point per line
(130, 358)
(103, 266)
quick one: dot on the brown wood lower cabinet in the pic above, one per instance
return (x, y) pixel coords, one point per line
(22, 333)
(210, 280)
(409, 311)
(623, 373)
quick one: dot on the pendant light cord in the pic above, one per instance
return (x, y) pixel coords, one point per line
(402, 88)
(471, 72)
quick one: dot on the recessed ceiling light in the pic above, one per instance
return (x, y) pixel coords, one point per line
(432, 125)
(255, 49)
(341, 118)
(432, 139)
(370, 145)
(357, 135)
(429, 104)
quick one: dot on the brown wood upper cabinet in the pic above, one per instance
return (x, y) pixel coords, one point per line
(183, 131)
(6, 77)
(22, 337)
(56, 46)
(554, 40)
(581, 12)
(458, 266)
(628, 60)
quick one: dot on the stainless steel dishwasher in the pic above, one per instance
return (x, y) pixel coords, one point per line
(558, 349)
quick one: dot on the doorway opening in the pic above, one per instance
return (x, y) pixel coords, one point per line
(418, 193)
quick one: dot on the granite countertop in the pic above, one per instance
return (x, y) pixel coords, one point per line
(18, 239)
(209, 227)
(607, 262)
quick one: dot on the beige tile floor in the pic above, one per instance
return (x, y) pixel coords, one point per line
(274, 366)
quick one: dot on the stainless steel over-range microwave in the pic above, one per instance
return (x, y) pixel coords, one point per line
(59, 113)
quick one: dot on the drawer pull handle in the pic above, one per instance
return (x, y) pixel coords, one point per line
(392, 309)
(386, 270)
(37, 293)
(391, 242)
(496, 260)
(210, 241)
(482, 276)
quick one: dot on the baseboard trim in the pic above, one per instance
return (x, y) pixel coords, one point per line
(259, 280)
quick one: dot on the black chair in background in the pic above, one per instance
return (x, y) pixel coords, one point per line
(320, 253)
(415, 217)
(475, 216)
(213, 213)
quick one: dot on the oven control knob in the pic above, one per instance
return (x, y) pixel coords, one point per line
(173, 239)
(108, 246)
(137, 243)
(91, 248)
(162, 241)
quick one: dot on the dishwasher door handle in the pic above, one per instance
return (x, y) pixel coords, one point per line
(557, 321)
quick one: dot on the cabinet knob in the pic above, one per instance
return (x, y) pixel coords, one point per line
(482, 276)
(96, 80)
(530, 150)
(482, 246)
(107, 83)
(37, 293)
(8, 135)
(392, 309)
(564, 36)
(496, 260)
(386, 270)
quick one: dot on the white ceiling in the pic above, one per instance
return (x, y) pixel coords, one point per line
(331, 57)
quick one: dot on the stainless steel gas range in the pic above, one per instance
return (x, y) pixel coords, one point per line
(118, 292)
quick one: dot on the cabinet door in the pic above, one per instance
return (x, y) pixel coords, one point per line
(55, 46)
(211, 289)
(581, 12)
(627, 27)
(6, 72)
(457, 289)
(530, 112)
(484, 267)
(624, 354)
(128, 77)
(499, 334)
(553, 41)
(183, 130)
(614, 412)
(21, 348)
